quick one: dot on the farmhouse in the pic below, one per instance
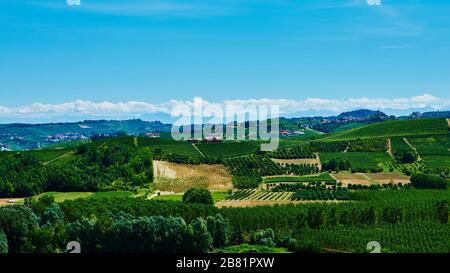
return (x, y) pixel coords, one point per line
(213, 139)
(153, 135)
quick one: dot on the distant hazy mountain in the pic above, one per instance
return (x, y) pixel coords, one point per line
(18, 136)
(21, 136)
(362, 114)
(436, 114)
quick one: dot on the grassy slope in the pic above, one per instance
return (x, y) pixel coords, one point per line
(305, 178)
(229, 149)
(434, 150)
(169, 146)
(399, 144)
(359, 159)
(63, 196)
(217, 196)
(394, 128)
(348, 126)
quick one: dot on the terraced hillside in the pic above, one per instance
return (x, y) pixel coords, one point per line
(395, 128)
(169, 146)
(228, 149)
(434, 150)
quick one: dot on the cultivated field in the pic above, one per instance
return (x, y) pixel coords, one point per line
(214, 177)
(300, 161)
(359, 159)
(386, 178)
(323, 177)
(257, 203)
(370, 178)
(216, 195)
(434, 150)
(393, 166)
(169, 146)
(248, 203)
(228, 149)
(395, 128)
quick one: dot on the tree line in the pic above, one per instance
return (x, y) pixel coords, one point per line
(90, 168)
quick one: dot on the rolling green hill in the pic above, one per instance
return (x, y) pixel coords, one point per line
(434, 150)
(394, 128)
(229, 149)
(364, 160)
(33, 136)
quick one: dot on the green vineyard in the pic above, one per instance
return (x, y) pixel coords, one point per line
(260, 195)
(408, 168)
(325, 177)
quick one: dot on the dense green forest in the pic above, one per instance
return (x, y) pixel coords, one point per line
(138, 225)
(114, 167)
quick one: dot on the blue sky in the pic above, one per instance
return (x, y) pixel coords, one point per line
(155, 51)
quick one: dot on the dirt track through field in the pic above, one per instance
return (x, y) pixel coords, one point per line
(448, 122)
(59, 157)
(198, 150)
(346, 148)
(389, 151)
(319, 162)
(414, 149)
(9, 201)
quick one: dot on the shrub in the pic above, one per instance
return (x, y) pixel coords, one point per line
(404, 156)
(17, 222)
(296, 246)
(428, 181)
(198, 196)
(3, 242)
(52, 215)
(264, 237)
(337, 165)
(247, 182)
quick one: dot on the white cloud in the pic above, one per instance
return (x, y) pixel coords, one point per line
(73, 2)
(374, 2)
(82, 108)
(387, 47)
(140, 7)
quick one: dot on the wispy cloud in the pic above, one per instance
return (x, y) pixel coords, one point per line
(141, 7)
(388, 47)
(151, 8)
(81, 108)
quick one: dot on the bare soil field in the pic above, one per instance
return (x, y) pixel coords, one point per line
(386, 178)
(248, 203)
(370, 178)
(296, 161)
(351, 178)
(299, 161)
(9, 201)
(214, 177)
